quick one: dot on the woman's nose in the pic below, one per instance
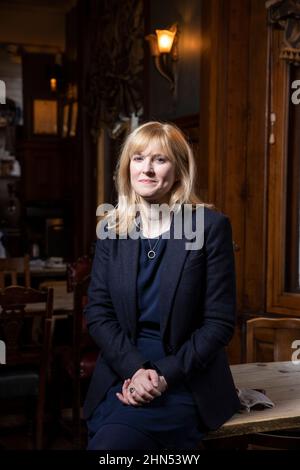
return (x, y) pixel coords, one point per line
(148, 167)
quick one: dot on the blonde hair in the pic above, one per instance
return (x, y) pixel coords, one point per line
(176, 148)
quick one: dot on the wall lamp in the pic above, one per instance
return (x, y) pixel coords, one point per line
(164, 50)
(55, 74)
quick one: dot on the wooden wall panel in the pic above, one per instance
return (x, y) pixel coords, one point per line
(214, 21)
(256, 167)
(233, 161)
(234, 78)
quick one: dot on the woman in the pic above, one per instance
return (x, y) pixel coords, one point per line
(160, 313)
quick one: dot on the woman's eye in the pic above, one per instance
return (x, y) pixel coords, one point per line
(137, 158)
(161, 159)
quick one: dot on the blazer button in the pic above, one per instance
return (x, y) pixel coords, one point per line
(169, 349)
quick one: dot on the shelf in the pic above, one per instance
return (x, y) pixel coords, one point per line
(9, 177)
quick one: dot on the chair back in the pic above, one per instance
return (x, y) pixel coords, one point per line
(77, 271)
(12, 267)
(271, 339)
(78, 362)
(25, 329)
(26, 332)
(82, 341)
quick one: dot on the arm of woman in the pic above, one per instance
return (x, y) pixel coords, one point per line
(219, 308)
(117, 350)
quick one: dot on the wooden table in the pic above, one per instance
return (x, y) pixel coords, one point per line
(63, 305)
(58, 271)
(63, 301)
(39, 274)
(281, 381)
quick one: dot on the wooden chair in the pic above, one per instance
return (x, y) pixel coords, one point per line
(268, 340)
(25, 329)
(12, 267)
(85, 354)
(77, 271)
(77, 361)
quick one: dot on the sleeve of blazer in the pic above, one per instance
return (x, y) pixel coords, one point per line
(117, 350)
(219, 309)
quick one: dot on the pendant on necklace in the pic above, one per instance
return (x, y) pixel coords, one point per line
(151, 254)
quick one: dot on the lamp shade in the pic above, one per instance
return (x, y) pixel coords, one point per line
(165, 40)
(151, 38)
(53, 84)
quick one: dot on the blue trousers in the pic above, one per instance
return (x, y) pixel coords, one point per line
(168, 422)
(121, 437)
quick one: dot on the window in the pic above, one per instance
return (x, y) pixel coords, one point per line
(283, 276)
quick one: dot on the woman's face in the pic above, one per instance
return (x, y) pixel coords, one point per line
(152, 174)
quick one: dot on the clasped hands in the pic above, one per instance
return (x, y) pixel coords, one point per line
(142, 388)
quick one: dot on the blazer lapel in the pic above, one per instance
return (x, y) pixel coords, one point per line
(129, 268)
(173, 262)
(174, 258)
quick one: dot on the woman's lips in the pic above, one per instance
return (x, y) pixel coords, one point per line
(146, 181)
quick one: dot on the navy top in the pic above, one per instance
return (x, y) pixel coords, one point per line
(171, 419)
(149, 340)
(148, 282)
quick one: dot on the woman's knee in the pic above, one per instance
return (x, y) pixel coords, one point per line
(121, 437)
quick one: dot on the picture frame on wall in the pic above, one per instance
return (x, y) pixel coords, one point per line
(45, 117)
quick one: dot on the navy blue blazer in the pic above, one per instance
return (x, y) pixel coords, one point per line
(198, 305)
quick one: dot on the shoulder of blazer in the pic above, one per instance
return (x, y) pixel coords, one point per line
(212, 217)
